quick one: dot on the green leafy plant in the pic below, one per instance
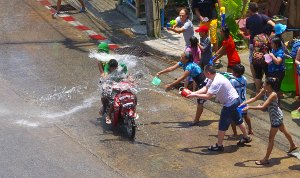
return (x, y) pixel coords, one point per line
(235, 9)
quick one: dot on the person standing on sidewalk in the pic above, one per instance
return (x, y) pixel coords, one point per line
(205, 45)
(184, 26)
(207, 14)
(255, 25)
(59, 6)
(225, 93)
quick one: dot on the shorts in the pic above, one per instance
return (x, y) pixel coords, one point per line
(260, 70)
(201, 81)
(212, 25)
(229, 115)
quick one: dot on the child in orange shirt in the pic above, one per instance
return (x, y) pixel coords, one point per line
(228, 47)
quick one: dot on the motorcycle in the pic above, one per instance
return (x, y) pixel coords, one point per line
(124, 108)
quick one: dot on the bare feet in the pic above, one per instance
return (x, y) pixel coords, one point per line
(250, 132)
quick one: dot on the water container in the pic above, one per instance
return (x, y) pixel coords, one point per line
(156, 81)
(288, 82)
(268, 58)
(295, 114)
(240, 108)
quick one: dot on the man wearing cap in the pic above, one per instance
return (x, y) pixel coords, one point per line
(255, 25)
(205, 45)
(184, 26)
(207, 14)
(102, 48)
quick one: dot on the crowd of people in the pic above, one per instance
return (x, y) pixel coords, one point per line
(199, 62)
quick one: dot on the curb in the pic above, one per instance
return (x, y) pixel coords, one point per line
(71, 20)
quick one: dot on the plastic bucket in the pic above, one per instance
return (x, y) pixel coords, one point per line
(156, 81)
(268, 58)
(295, 114)
(240, 108)
(288, 82)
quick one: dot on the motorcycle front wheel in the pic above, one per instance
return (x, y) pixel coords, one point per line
(130, 127)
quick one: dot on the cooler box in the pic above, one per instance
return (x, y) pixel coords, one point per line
(288, 83)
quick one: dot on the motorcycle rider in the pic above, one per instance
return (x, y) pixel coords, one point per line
(115, 72)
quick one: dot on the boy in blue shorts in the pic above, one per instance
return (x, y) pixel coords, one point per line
(239, 82)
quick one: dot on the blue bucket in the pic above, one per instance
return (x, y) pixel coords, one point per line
(240, 108)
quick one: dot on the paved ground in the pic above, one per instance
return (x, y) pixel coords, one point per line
(57, 86)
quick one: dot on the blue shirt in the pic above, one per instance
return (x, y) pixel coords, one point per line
(295, 47)
(240, 86)
(192, 67)
(272, 67)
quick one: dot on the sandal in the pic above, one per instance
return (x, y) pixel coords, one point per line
(292, 149)
(216, 148)
(243, 140)
(260, 162)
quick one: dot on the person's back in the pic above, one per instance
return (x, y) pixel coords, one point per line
(240, 83)
(222, 88)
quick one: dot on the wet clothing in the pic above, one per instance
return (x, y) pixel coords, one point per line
(256, 25)
(232, 54)
(275, 113)
(188, 30)
(206, 54)
(206, 8)
(106, 67)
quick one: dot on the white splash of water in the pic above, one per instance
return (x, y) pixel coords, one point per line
(86, 104)
(27, 123)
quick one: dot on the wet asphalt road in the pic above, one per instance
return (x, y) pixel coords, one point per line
(49, 114)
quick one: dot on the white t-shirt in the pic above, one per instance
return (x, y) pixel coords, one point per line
(222, 89)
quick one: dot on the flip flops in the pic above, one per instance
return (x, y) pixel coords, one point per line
(260, 162)
(292, 149)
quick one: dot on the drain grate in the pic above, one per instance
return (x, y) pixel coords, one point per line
(65, 7)
(133, 50)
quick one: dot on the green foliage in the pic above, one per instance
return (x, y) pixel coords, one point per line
(234, 10)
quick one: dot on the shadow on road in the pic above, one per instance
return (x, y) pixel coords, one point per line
(273, 162)
(203, 150)
(202, 123)
(297, 121)
(295, 167)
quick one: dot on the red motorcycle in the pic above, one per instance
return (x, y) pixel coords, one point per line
(124, 106)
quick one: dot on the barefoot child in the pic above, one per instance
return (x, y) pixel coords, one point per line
(275, 113)
(228, 47)
(239, 82)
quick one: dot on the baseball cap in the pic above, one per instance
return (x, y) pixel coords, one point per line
(279, 28)
(202, 28)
